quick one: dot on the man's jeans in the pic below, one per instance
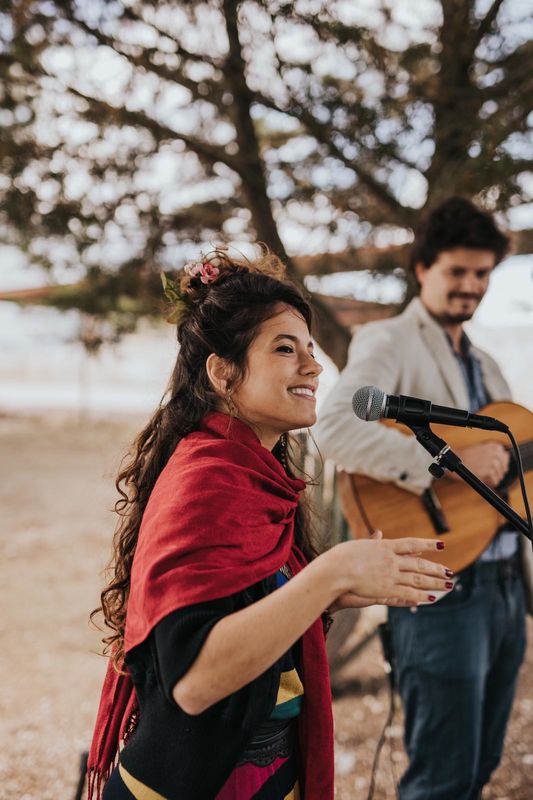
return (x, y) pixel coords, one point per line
(457, 663)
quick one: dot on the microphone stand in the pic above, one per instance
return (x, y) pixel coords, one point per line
(445, 458)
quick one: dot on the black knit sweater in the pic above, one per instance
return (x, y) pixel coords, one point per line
(187, 757)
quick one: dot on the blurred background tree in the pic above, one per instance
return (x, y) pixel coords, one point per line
(133, 132)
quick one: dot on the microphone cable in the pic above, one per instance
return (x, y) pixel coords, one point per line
(388, 656)
(518, 457)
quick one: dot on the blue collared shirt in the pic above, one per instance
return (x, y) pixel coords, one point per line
(505, 544)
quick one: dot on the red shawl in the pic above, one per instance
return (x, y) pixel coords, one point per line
(220, 518)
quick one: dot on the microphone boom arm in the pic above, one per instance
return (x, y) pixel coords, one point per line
(446, 458)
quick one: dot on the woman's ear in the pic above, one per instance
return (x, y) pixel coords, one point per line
(218, 372)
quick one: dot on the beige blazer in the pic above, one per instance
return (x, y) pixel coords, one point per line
(408, 354)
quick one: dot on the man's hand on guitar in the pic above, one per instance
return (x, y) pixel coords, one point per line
(488, 460)
(387, 572)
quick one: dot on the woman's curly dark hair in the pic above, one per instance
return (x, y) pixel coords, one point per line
(221, 317)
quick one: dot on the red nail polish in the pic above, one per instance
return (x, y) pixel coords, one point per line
(449, 585)
(431, 598)
(440, 545)
(449, 573)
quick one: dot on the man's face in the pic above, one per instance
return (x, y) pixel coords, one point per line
(454, 285)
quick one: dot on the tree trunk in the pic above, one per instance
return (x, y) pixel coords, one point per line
(331, 336)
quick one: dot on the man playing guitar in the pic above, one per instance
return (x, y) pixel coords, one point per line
(457, 660)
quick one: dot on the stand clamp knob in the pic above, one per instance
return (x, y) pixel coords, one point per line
(435, 468)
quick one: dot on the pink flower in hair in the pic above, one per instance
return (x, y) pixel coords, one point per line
(208, 272)
(193, 268)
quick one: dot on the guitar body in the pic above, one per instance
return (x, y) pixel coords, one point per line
(472, 523)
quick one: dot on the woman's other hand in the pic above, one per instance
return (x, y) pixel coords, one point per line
(387, 571)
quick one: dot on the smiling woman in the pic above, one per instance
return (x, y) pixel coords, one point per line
(277, 393)
(218, 681)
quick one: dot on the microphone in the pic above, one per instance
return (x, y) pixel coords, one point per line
(370, 403)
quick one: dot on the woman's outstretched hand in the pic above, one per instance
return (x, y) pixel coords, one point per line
(357, 573)
(387, 572)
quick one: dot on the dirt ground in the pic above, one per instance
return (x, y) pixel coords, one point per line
(56, 492)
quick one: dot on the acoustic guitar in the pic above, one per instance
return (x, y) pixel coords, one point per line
(450, 509)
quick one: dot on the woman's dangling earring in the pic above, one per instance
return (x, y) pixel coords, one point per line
(232, 408)
(284, 450)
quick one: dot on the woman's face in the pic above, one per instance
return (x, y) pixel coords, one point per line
(278, 391)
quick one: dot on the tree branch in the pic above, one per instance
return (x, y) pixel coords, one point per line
(330, 334)
(201, 58)
(145, 61)
(160, 131)
(323, 134)
(505, 124)
(516, 67)
(382, 259)
(486, 23)
(340, 33)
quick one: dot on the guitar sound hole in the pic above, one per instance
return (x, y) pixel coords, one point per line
(434, 511)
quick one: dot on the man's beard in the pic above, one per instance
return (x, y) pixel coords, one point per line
(453, 319)
(447, 318)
